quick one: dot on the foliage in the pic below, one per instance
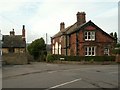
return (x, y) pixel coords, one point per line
(115, 35)
(111, 34)
(117, 49)
(90, 58)
(52, 58)
(118, 45)
(37, 48)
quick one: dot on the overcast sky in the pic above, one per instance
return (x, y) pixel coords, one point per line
(44, 16)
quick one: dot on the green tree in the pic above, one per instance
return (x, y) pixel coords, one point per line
(115, 36)
(111, 34)
(37, 49)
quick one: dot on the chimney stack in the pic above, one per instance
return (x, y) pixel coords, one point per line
(12, 33)
(23, 32)
(81, 18)
(62, 26)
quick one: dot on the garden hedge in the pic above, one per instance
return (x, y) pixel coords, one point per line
(51, 58)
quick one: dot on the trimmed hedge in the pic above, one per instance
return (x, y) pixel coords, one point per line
(52, 58)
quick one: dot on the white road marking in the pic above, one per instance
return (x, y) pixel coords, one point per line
(64, 83)
(52, 71)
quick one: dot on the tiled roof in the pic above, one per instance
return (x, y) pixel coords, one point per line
(68, 30)
(65, 30)
(13, 41)
(73, 28)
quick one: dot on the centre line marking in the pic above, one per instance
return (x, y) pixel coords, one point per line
(64, 83)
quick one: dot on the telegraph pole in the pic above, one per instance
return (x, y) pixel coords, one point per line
(46, 39)
(0, 46)
(46, 44)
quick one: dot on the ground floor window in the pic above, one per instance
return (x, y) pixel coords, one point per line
(53, 49)
(90, 51)
(106, 51)
(11, 50)
(56, 49)
(60, 49)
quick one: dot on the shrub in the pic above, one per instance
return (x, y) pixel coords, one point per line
(73, 58)
(100, 58)
(51, 58)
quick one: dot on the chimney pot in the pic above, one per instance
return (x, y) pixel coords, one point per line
(23, 32)
(23, 26)
(12, 33)
(62, 26)
(81, 19)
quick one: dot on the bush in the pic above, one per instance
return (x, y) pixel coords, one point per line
(51, 58)
(100, 58)
(72, 58)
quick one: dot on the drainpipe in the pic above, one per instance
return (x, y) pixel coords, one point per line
(76, 43)
(0, 46)
(66, 43)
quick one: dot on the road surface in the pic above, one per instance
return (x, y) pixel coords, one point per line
(51, 76)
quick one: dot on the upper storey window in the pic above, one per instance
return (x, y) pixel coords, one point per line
(89, 36)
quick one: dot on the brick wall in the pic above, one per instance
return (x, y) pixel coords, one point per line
(15, 58)
(101, 41)
(73, 44)
(102, 37)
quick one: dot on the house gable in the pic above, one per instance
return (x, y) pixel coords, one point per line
(90, 26)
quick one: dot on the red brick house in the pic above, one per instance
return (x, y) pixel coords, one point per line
(82, 38)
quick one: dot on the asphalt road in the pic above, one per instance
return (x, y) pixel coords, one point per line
(0, 78)
(0, 72)
(62, 76)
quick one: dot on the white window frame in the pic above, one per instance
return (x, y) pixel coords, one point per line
(60, 49)
(89, 36)
(53, 49)
(90, 51)
(56, 48)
